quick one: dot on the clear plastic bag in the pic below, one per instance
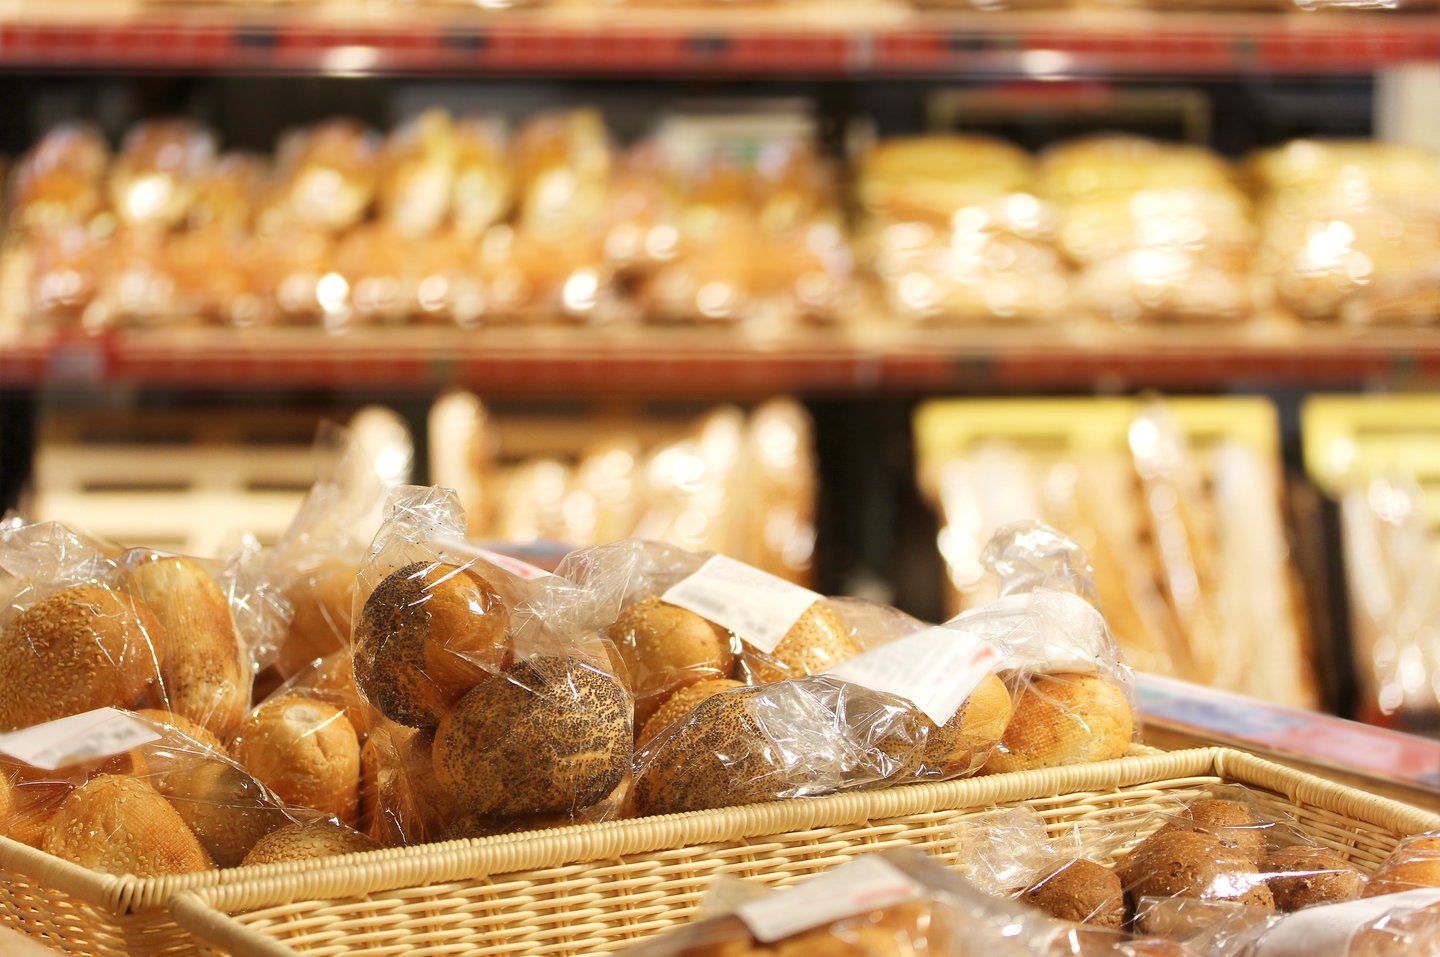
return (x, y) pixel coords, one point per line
(155, 175)
(59, 183)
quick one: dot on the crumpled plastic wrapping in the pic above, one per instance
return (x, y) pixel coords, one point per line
(134, 629)
(174, 802)
(491, 674)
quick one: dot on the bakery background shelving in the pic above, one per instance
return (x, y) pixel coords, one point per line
(860, 379)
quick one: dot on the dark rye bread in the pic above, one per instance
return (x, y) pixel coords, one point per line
(1080, 891)
(428, 633)
(548, 734)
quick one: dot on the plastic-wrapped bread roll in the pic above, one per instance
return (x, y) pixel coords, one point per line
(461, 453)
(154, 176)
(484, 183)
(308, 841)
(1414, 865)
(665, 648)
(121, 825)
(331, 174)
(59, 182)
(420, 164)
(306, 751)
(321, 598)
(203, 663)
(778, 494)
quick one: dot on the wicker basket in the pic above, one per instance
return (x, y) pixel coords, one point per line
(595, 889)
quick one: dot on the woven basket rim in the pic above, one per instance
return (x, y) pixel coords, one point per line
(358, 874)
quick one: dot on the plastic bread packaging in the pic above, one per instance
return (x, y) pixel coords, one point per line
(1229, 857)
(416, 187)
(154, 176)
(73, 635)
(484, 182)
(886, 699)
(1072, 691)
(1388, 558)
(59, 183)
(896, 903)
(563, 166)
(646, 200)
(486, 667)
(317, 559)
(66, 264)
(777, 493)
(145, 793)
(330, 174)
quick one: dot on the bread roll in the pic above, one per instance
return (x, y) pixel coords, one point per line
(1064, 719)
(550, 734)
(306, 752)
(225, 808)
(203, 664)
(428, 634)
(815, 642)
(1299, 876)
(665, 648)
(307, 841)
(7, 802)
(182, 724)
(121, 825)
(1190, 864)
(680, 704)
(1080, 891)
(1232, 823)
(1415, 864)
(322, 600)
(402, 799)
(82, 648)
(963, 743)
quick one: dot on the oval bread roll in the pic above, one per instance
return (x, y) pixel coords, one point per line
(550, 734)
(1080, 891)
(307, 841)
(818, 640)
(306, 752)
(428, 634)
(1300, 876)
(1232, 823)
(82, 648)
(321, 599)
(1190, 864)
(681, 703)
(1413, 865)
(962, 744)
(664, 648)
(7, 802)
(1064, 719)
(203, 666)
(121, 825)
(402, 799)
(225, 808)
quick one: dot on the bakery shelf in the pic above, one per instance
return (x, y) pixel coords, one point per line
(808, 37)
(709, 363)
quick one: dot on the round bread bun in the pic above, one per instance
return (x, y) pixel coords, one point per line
(82, 648)
(306, 752)
(963, 743)
(1300, 876)
(1232, 823)
(681, 703)
(202, 664)
(1413, 865)
(402, 800)
(428, 634)
(307, 841)
(818, 640)
(549, 734)
(1190, 864)
(225, 808)
(665, 648)
(1080, 891)
(121, 825)
(321, 599)
(182, 724)
(1064, 719)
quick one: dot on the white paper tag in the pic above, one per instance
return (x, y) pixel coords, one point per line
(1329, 928)
(101, 733)
(756, 605)
(937, 668)
(864, 884)
(516, 567)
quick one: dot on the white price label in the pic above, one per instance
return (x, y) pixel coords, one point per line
(1329, 928)
(858, 887)
(102, 733)
(756, 605)
(937, 668)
